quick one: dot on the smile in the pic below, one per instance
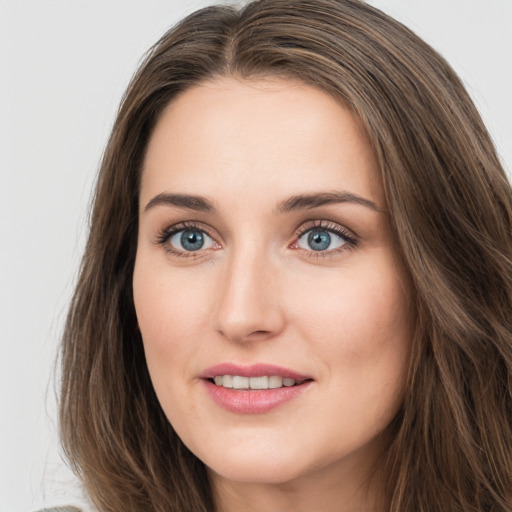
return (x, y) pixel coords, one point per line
(262, 382)
(253, 389)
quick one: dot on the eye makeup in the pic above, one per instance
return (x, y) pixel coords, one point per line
(314, 238)
(192, 233)
(323, 238)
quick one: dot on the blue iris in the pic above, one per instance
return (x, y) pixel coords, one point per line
(319, 240)
(192, 240)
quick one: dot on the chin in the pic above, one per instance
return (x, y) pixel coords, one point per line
(268, 472)
(249, 461)
(259, 464)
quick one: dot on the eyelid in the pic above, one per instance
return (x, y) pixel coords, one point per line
(165, 234)
(349, 236)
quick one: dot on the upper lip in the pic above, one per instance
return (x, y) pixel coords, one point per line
(253, 370)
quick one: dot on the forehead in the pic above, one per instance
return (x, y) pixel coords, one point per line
(270, 136)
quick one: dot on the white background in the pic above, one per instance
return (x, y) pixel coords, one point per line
(64, 65)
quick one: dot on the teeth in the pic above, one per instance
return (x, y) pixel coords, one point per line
(264, 382)
(258, 382)
(275, 382)
(239, 382)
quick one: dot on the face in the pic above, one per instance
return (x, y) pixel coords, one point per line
(265, 260)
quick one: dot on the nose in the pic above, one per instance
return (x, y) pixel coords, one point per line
(249, 307)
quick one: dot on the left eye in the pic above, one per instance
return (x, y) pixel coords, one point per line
(318, 239)
(190, 240)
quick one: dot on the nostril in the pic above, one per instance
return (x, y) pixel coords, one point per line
(240, 336)
(259, 333)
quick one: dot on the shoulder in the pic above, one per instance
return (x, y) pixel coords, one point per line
(60, 509)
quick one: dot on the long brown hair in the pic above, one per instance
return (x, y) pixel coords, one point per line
(450, 208)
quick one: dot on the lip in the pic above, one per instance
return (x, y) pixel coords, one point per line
(253, 370)
(253, 401)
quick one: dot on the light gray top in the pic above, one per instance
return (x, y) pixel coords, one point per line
(60, 509)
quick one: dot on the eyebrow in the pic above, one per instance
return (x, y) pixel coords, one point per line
(197, 203)
(294, 203)
(309, 201)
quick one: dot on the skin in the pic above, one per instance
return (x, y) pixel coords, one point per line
(258, 293)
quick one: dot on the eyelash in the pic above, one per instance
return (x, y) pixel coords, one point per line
(166, 234)
(351, 240)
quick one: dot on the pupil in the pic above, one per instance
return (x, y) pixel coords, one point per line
(192, 240)
(319, 240)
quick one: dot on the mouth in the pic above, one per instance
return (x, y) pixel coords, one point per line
(253, 389)
(255, 383)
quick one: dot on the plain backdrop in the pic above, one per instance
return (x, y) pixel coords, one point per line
(64, 66)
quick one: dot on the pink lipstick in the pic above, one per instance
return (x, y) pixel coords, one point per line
(253, 389)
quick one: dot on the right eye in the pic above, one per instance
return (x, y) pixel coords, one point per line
(186, 239)
(190, 240)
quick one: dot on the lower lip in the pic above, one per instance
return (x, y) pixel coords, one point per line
(255, 401)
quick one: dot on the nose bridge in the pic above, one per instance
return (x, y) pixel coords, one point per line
(249, 305)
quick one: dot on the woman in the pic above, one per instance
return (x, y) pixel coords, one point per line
(297, 288)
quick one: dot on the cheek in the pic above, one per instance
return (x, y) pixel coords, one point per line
(168, 302)
(375, 315)
(360, 323)
(355, 303)
(170, 313)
